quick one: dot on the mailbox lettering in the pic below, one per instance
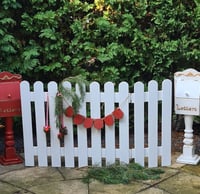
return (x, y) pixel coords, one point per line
(186, 108)
(10, 110)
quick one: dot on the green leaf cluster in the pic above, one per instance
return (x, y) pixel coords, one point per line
(103, 40)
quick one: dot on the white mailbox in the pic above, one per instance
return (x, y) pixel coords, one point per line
(187, 103)
(187, 92)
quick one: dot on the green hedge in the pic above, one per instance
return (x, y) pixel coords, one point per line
(111, 40)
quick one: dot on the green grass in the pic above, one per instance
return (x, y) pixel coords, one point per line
(122, 173)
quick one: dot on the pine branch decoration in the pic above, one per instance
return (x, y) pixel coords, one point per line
(58, 108)
(69, 95)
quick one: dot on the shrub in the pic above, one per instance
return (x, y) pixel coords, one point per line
(102, 39)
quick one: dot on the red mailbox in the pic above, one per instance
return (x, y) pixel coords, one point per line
(10, 99)
(10, 106)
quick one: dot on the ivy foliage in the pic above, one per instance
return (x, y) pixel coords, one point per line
(103, 40)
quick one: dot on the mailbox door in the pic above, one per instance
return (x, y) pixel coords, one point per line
(10, 104)
(187, 89)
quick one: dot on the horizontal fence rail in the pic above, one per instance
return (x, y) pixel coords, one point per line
(143, 134)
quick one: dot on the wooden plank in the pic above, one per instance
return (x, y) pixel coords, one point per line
(54, 141)
(27, 123)
(69, 138)
(39, 96)
(139, 122)
(109, 97)
(82, 136)
(96, 114)
(166, 122)
(153, 124)
(124, 123)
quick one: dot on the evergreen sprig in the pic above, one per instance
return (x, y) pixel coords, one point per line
(69, 96)
(122, 173)
(58, 109)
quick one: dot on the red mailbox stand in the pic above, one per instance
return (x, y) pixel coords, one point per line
(10, 106)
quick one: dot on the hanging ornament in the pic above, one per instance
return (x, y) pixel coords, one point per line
(109, 120)
(62, 132)
(47, 128)
(117, 113)
(69, 112)
(60, 135)
(88, 123)
(98, 123)
(78, 119)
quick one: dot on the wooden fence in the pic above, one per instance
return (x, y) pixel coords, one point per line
(142, 134)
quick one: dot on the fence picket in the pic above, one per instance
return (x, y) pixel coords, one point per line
(82, 137)
(39, 96)
(153, 124)
(166, 122)
(54, 141)
(124, 123)
(109, 99)
(27, 123)
(95, 113)
(139, 122)
(69, 138)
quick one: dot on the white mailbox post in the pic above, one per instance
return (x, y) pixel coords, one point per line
(187, 103)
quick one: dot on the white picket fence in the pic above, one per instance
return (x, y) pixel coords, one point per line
(121, 141)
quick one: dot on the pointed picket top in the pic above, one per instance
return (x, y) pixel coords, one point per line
(152, 84)
(38, 85)
(24, 85)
